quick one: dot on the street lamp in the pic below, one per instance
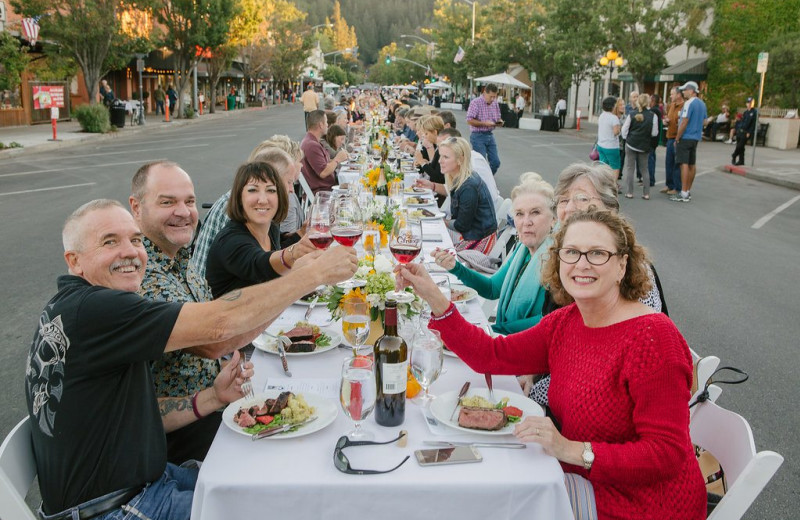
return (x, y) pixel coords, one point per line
(420, 38)
(472, 3)
(610, 59)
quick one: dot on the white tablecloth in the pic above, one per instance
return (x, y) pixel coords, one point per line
(296, 478)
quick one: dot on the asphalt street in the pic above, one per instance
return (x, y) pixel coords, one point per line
(730, 272)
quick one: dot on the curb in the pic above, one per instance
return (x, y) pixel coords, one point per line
(758, 175)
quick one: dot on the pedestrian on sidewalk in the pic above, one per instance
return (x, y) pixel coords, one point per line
(672, 169)
(690, 132)
(483, 117)
(608, 129)
(159, 95)
(745, 129)
(658, 110)
(173, 99)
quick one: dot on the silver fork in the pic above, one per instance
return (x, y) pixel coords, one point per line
(247, 385)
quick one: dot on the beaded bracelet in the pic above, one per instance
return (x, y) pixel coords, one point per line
(283, 261)
(450, 310)
(194, 406)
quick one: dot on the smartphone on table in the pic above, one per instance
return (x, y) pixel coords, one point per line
(442, 456)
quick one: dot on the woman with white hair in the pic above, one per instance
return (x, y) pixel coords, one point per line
(473, 223)
(517, 284)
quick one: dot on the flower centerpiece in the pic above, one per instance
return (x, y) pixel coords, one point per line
(377, 272)
(380, 216)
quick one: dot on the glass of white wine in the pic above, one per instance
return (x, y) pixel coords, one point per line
(355, 322)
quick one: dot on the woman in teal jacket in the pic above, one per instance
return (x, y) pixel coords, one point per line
(517, 285)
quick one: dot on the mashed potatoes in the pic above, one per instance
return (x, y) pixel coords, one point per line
(297, 410)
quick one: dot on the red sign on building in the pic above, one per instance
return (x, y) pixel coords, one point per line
(48, 96)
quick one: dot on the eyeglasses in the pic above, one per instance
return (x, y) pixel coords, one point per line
(593, 256)
(579, 199)
(343, 464)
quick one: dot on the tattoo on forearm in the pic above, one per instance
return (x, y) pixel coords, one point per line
(232, 296)
(178, 404)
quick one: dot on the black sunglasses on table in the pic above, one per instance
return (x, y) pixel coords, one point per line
(343, 464)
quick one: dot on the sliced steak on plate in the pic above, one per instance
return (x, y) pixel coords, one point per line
(481, 418)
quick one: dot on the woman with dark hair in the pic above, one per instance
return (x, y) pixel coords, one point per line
(247, 250)
(621, 375)
(608, 129)
(334, 140)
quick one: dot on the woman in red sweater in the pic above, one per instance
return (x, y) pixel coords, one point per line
(621, 373)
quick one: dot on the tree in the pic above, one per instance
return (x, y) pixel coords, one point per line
(334, 74)
(783, 77)
(89, 31)
(13, 60)
(187, 25)
(739, 32)
(289, 41)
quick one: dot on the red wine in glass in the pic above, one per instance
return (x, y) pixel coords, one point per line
(321, 240)
(405, 253)
(347, 236)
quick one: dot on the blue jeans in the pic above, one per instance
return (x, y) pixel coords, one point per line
(651, 167)
(484, 144)
(168, 498)
(673, 170)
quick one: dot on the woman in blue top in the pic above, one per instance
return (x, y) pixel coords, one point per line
(473, 224)
(517, 284)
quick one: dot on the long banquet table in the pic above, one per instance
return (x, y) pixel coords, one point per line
(296, 479)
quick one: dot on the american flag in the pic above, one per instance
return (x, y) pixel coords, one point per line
(459, 55)
(30, 28)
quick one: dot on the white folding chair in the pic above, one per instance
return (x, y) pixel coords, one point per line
(17, 472)
(502, 212)
(500, 246)
(309, 195)
(704, 367)
(728, 437)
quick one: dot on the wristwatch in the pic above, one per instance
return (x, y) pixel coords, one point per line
(588, 455)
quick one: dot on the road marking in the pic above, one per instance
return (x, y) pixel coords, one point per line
(32, 172)
(49, 189)
(766, 218)
(121, 152)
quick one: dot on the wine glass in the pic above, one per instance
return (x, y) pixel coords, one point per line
(319, 228)
(355, 322)
(347, 226)
(426, 361)
(405, 244)
(357, 393)
(442, 281)
(396, 193)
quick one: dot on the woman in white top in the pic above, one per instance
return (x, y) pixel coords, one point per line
(608, 129)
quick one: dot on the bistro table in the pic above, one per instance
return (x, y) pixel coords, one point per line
(296, 479)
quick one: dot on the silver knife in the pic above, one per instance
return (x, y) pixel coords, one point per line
(510, 445)
(282, 354)
(269, 432)
(461, 394)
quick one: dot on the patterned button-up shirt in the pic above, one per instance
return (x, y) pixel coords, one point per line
(480, 110)
(215, 220)
(177, 373)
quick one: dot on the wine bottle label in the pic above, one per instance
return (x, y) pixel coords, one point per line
(395, 377)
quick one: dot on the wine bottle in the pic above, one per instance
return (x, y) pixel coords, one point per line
(391, 371)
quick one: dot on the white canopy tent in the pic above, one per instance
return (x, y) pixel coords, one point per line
(503, 79)
(437, 85)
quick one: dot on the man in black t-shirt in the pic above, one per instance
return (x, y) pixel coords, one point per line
(96, 427)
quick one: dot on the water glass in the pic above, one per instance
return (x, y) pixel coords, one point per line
(357, 393)
(426, 361)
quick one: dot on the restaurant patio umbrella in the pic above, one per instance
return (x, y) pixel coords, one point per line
(503, 79)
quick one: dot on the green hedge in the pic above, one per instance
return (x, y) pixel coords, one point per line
(93, 118)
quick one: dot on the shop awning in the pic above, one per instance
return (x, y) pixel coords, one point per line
(695, 69)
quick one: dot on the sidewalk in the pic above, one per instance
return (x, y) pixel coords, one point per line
(37, 138)
(780, 167)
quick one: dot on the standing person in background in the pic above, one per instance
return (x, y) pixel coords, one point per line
(561, 112)
(673, 171)
(744, 130)
(159, 95)
(106, 93)
(483, 117)
(690, 132)
(608, 129)
(310, 102)
(173, 99)
(657, 110)
(520, 104)
(639, 128)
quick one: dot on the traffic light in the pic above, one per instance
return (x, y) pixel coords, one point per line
(311, 73)
(388, 60)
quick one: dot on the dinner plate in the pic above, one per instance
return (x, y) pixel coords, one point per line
(470, 293)
(436, 216)
(320, 302)
(417, 192)
(325, 410)
(423, 203)
(269, 345)
(442, 409)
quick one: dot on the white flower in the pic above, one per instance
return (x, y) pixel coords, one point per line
(362, 272)
(382, 264)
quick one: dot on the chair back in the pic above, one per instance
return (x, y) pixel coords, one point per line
(704, 368)
(17, 471)
(502, 213)
(307, 198)
(728, 437)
